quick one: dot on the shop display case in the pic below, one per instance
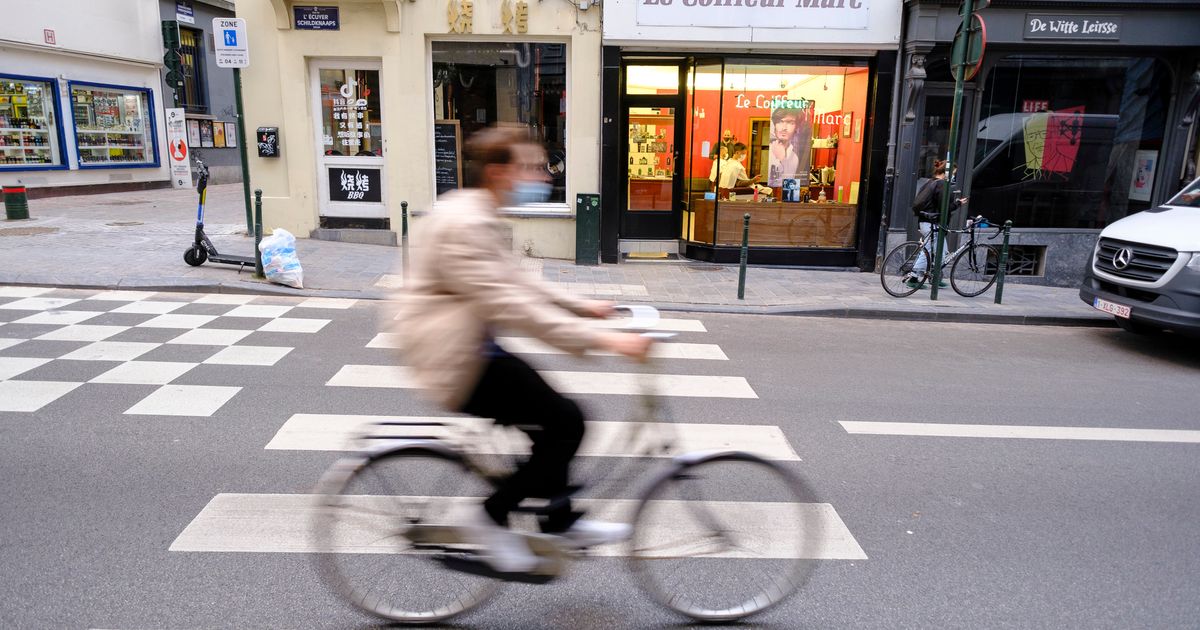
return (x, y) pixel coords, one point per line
(29, 132)
(114, 126)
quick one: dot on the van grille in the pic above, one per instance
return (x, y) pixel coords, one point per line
(1147, 264)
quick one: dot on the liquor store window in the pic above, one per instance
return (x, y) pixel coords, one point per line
(1069, 142)
(780, 141)
(29, 130)
(114, 126)
(194, 97)
(481, 84)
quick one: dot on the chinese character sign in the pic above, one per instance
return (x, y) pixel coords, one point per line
(355, 184)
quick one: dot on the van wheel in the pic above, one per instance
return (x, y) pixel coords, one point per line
(1129, 325)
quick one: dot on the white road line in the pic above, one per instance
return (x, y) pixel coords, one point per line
(111, 351)
(665, 324)
(184, 400)
(144, 373)
(122, 296)
(294, 325)
(267, 311)
(82, 332)
(334, 303)
(13, 366)
(211, 337)
(248, 355)
(619, 383)
(923, 429)
(529, 345)
(281, 523)
(38, 304)
(32, 395)
(332, 432)
(225, 298)
(58, 317)
(23, 292)
(150, 307)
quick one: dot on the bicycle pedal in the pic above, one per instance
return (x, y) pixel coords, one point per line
(467, 563)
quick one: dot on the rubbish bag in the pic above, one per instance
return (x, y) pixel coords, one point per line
(280, 263)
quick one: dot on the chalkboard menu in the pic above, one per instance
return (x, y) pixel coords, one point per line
(447, 155)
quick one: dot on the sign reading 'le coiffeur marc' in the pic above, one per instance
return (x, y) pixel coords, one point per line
(811, 14)
(1045, 26)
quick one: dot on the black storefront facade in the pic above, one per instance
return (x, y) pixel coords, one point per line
(805, 97)
(1081, 113)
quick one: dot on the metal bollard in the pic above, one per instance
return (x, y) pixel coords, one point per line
(258, 267)
(16, 202)
(404, 237)
(1003, 263)
(745, 254)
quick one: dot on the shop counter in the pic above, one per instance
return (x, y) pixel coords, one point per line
(777, 224)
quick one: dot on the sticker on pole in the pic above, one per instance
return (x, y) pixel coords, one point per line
(229, 39)
(177, 148)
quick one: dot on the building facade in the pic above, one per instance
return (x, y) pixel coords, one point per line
(1081, 113)
(80, 96)
(360, 105)
(207, 93)
(800, 91)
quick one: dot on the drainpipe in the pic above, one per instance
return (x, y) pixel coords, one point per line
(889, 179)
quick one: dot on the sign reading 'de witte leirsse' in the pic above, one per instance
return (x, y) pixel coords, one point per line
(1045, 26)
(316, 18)
(806, 14)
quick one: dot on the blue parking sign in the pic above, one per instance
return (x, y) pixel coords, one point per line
(231, 38)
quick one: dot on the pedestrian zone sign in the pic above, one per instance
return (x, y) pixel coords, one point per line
(229, 37)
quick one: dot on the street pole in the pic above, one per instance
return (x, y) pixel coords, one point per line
(959, 63)
(241, 125)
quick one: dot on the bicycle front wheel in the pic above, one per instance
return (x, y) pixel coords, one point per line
(897, 275)
(974, 270)
(701, 550)
(383, 526)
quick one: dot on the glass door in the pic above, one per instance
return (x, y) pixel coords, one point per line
(651, 148)
(349, 133)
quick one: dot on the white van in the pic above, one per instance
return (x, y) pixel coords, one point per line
(1146, 267)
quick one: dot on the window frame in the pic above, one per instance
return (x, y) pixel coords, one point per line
(153, 126)
(199, 72)
(58, 124)
(555, 209)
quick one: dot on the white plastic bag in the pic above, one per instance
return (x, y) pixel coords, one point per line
(280, 263)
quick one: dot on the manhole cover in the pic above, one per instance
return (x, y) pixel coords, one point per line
(124, 223)
(27, 231)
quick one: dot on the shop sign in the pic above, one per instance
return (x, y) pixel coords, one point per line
(460, 16)
(355, 184)
(229, 39)
(350, 113)
(1034, 106)
(806, 14)
(177, 148)
(515, 16)
(184, 11)
(1092, 27)
(316, 18)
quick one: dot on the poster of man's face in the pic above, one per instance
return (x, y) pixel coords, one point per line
(791, 144)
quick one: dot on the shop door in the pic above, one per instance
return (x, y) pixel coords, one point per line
(651, 156)
(349, 135)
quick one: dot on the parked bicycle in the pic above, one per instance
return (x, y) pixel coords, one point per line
(389, 541)
(973, 265)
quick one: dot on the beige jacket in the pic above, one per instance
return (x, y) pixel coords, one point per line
(462, 282)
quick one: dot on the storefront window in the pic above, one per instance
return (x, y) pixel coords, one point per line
(28, 125)
(783, 143)
(351, 120)
(479, 84)
(113, 126)
(1069, 142)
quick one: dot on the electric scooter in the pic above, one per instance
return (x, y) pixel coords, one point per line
(203, 249)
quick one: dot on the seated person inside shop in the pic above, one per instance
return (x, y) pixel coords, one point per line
(733, 176)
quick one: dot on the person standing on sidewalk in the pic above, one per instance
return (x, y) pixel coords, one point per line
(927, 206)
(463, 287)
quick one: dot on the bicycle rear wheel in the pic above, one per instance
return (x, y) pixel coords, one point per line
(700, 551)
(974, 270)
(385, 523)
(897, 271)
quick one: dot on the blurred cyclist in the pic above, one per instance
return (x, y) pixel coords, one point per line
(463, 285)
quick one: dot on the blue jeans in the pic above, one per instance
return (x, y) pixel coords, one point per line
(922, 264)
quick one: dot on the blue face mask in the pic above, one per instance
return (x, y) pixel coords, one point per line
(527, 192)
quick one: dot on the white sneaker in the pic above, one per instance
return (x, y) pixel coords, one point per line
(594, 533)
(502, 549)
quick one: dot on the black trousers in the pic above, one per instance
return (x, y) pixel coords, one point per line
(514, 394)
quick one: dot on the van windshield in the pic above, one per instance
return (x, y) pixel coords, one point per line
(1189, 198)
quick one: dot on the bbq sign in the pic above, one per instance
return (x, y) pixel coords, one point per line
(809, 14)
(355, 184)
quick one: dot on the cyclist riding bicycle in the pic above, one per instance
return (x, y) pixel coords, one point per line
(464, 285)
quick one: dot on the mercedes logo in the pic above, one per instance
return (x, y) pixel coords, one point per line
(1123, 258)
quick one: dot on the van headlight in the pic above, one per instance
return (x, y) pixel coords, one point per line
(1194, 263)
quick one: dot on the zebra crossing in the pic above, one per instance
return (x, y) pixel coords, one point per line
(234, 522)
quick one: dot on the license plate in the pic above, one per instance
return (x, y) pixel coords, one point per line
(1114, 309)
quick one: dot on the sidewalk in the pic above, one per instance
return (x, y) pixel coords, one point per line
(136, 240)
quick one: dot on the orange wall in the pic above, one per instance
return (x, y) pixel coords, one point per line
(715, 122)
(849, 152)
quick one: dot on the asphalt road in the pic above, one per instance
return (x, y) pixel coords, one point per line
(957, 531)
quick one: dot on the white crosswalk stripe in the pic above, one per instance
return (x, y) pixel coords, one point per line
(666, 324)
(621, 383)
(281, 523)
(528, 345)
(929, 429)
(329, 432)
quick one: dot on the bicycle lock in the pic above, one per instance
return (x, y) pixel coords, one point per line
(745, 255)
(258, 266)
(1003, 263)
